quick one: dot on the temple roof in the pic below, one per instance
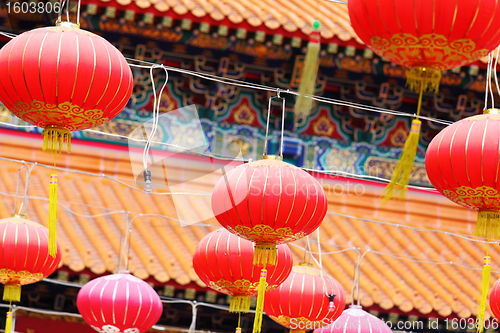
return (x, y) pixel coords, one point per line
(405, 269)
(291, 15)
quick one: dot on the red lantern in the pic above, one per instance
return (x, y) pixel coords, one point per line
(24, 249)
(63, 79)
(302, 302)
(462, 163)
(495, 300)
(222, 259)
(355, 320)
(269, 202)
(428, 38)
(435, 37)
(119, 303)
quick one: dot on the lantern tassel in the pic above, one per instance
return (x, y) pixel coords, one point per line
(402, 173)
(488, 225)
(484, 293)
(53, 215)
(265, 254)
(12, 293)
(259, 309)
(239, 304)
(8, 322)
(307, 85)
(54, 140)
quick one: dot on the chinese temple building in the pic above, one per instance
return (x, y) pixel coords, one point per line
(417, 260)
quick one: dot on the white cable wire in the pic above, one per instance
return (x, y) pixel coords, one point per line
(476, 240)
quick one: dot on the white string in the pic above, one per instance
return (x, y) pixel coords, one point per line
(487, 83)
(490, 64)
(326, 172)
(78, 13)
(477, 240)
(495, 70)
(156, 110)
(250, 85)
(282, 127)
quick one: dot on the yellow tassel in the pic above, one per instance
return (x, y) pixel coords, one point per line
(54, 140)
(307, 85)
(488, 225)
(401, 175)
(53, 215)
(259, 309)
(484, 293)
(238, 330)
(12, 293)
(265, 254)
(8, 322)
(239, 304)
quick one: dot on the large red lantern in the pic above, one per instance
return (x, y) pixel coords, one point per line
(427, 38)
(495, 300)
(355, 320)
(462, 163)
(222, 259)
(303, 301)
(119, 303)
(24, 249)
(63, 79)
(268, 202)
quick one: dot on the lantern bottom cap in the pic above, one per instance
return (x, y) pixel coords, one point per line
(239, 304)
(12, 293)
(488, 225)
(55, 138)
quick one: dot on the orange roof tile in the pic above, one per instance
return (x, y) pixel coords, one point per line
(162, 249)
(291, 15)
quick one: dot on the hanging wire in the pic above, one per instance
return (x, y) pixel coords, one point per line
(156, 111)
(17, 186)
(78, 13)
(495, 70)
(282, 126)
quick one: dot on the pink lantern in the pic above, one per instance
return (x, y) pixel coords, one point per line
(119, 303)
(355, 320)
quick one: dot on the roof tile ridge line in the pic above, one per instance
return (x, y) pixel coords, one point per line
(394, 279)
(437, 239)
(135, 238)
(89, 234)
(116, 219)
(99, 220)
(387, 285)
(327, 228)
(400, 225)
(435, 270)
(171, 270)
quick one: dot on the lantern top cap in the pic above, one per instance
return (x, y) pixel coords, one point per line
(491, 111)
(67, 24)
(272, 157)
(305, 264)
(19, 216)
(355, 306)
